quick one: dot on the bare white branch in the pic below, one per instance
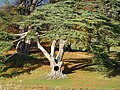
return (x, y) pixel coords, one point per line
(44, 51)
(18, 39)
(28, 41)
(53, 48)
(21, 34)
(61, 50)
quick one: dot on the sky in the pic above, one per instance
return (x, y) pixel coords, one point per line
(2, 2)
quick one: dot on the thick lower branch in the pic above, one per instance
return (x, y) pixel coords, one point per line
(44, 51)
(61, 50)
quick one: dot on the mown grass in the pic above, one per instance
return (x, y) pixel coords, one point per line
(77, 79)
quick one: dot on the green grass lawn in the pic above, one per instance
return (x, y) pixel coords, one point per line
(78, 79)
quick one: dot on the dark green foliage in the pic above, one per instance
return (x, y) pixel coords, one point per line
(24, 62)
(2, 66)
(6, 43)
(7, 23)
(8, 19)
(111, 8)
(15, 60)
(103, 61)
(64, 20)
(5, 46)
(7, 36)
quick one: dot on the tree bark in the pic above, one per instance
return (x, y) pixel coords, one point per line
(56, 71)
(53, 48)
(108, 48)
(23, 47)
(27, 42)
(61, 50)
(56, 68)
(55, 63)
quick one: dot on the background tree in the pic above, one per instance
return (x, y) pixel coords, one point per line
(25, 7)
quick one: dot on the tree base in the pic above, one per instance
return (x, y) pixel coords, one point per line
(51, 76)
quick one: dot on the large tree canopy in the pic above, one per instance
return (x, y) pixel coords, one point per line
(83, 29)
(65, 20)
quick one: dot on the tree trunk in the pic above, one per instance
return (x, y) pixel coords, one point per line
(56, 71)
(28, 42)
(23, 47)
(55, 63)
(56, 67)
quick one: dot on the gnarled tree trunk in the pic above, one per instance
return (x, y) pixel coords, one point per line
(55, 62)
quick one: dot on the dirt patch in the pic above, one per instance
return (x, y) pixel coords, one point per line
(10, 52)
(77, 55)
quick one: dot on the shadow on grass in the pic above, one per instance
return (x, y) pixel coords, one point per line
(76, 65)
(116, 70)
(24, 64)
(116, 65)
(85, 64)
(19, 64)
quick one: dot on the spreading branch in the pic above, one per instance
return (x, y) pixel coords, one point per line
(19, 39)
(43, 50)
(23, 35)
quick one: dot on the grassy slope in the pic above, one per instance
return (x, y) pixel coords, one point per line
(77, 78)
